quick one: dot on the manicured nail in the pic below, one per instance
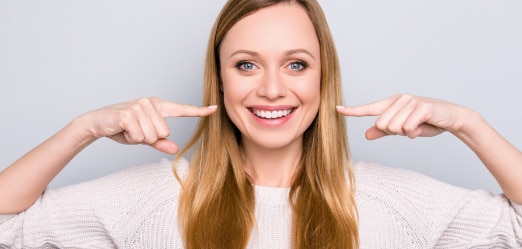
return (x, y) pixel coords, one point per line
(212, 106)
(340, 107)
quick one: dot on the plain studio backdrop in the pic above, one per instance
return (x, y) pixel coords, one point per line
(61, 58)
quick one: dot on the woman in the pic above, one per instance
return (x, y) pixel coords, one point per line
(271, 166)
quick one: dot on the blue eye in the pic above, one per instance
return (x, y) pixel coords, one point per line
(297, 66)
(245, 65)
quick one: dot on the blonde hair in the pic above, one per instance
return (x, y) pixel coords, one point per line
(217, 200)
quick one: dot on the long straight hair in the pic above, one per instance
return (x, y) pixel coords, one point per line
(217, 202)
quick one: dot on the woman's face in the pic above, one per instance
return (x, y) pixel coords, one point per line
(271, 73)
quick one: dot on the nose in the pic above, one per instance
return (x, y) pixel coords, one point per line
(272, 85)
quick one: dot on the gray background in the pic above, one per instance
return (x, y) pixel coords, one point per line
(61, 58)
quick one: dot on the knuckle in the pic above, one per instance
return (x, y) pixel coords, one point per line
(409, 131)
(134, 138)
(400, 96)
(163, 133)
(408, 128)
(407, 96)
(135, 108)
(154, 100)
(142, 102)
(395, 129)
(381, 126)
(425, 107)
(412, 132)
(150, 140)
(125, 115)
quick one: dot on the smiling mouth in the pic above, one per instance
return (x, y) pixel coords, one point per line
(272, 114)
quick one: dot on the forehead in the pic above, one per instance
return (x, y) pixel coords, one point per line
(281, 27)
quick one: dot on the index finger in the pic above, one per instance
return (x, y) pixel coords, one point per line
(371, 109)
(171, 109)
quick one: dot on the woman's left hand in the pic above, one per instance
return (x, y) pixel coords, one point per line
(411, 116)
(414, 116)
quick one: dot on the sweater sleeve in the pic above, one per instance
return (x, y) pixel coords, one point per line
(98, 214)
(483, 220)
(416, 211)
(64, 218)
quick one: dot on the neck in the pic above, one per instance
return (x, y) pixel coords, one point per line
(274, 167)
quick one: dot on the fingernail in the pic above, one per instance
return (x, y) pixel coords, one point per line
(339, 107)
(212, 106)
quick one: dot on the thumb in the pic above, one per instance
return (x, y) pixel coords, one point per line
(374, 133)
(166, 146)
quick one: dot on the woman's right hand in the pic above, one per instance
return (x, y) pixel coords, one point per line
(140, 121)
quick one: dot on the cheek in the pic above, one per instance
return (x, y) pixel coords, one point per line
(236, 87)
(309, 91)
(231, 103)
(235, 91)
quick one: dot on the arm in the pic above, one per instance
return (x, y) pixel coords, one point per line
(24, 181)
(134, 122)
(415, 116)
(432, 214)
(108, 212)
(502, 159)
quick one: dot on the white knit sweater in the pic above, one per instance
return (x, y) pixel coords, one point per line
(137, 208)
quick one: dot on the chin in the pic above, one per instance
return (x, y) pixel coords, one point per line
(273, 141)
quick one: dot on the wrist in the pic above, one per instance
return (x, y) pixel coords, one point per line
(79, 130)
(473, 128)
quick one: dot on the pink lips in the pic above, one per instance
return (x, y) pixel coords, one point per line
(272, 116)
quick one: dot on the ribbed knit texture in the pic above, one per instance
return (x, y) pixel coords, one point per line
(137, 208)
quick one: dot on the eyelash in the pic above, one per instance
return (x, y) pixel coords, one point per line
(300, 63)
(240, 65)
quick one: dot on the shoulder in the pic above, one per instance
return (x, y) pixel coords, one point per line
(403, 204)
(133, 207)
(141, 175)
(364, 170)
(397, 187)
(375, 176)
(130, 186)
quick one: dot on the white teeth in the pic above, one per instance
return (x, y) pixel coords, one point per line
(272, 114)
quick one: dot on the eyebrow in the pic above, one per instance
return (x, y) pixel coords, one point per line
(287, 53)
(298, 51)
(243, 51)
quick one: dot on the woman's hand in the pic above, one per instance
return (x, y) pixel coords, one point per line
(411, 116)
(416, 116)
(140, 121)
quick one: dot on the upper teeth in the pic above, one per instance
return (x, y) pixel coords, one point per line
(272, 114)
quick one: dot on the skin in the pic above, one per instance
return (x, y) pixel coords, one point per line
(271, 154)
(139, 121)
(412, 116)
(271, 61)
